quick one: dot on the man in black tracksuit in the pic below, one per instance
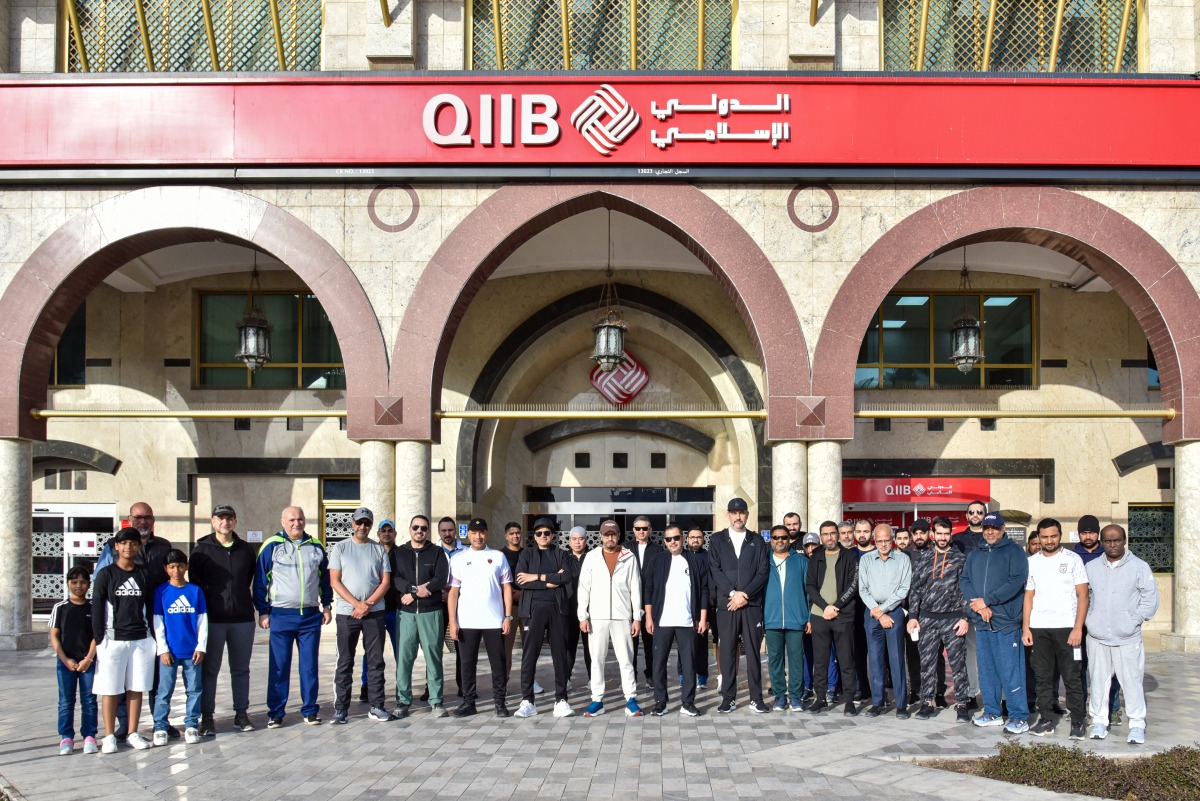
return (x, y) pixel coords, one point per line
(832, 583)
(738, 563)
(543, 576)
(420, 571)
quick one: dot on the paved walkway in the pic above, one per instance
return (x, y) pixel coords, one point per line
(741, 755)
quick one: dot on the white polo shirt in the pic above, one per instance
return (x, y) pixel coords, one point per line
(480, 577)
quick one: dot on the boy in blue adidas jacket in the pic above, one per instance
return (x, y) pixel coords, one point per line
(181, 631)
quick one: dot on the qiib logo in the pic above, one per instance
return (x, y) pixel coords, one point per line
(605, 119)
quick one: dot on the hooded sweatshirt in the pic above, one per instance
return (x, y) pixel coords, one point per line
(1122, 596)
(997, 574)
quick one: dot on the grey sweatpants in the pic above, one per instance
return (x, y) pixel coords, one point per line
(1128, 664)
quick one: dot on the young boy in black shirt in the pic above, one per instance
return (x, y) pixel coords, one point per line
(72, 640)
(125, 650)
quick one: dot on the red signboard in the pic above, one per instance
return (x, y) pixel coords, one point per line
(658, 125)
(621, 384)
(923, 492)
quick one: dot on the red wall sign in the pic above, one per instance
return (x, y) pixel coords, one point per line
(927, 491)
(657, 124)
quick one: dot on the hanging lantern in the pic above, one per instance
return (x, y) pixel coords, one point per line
(254, 331)
(610, 340)
(966, 334)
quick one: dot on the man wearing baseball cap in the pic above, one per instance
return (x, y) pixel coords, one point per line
(738, 559)
(222, 566)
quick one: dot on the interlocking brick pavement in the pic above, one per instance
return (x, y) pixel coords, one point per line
(741, 755)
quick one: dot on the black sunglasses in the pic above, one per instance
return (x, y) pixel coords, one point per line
(782, 539)
(543, 533)
(420, 528)
(672, 539)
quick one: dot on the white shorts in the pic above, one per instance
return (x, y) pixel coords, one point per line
(124, 665)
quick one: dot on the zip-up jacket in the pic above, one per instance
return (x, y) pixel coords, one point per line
(847, 583)
(226, 577)
(292, 576)
(745, 573)
(997, 574)
(1122, 596)
(658, 571)
(935, 592)
(705, 566)
(610, 597)
(411, 568)
(552, 562)
(787, 604)
(575, 565)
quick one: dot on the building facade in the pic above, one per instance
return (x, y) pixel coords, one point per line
(792, 230)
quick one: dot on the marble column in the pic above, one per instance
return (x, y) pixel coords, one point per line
(1186, 633)
(412, 483)
(824, 483)
(789, 482)
(377, 478)
(16, 547)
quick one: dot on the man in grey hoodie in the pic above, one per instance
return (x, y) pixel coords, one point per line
(1123, 597)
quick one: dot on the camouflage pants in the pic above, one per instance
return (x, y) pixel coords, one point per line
(936, 634)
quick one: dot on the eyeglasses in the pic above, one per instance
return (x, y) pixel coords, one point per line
(141, 517)
(641, 528)
(672, 539)
(543, 533)
(417, 528)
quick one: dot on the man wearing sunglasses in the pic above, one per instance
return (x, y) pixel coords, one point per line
(543, 576)
(644, 551)
(420, 571)
(676, 593)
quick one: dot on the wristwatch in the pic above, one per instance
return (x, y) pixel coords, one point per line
(508, 617)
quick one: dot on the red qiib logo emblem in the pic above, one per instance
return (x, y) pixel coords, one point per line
(623, 383)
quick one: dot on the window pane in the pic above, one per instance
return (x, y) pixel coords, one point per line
(868, 352)
(905, 377)
(224, 377)
(320, 343)
(1008, 329)
(947, 309)
(1010, 377)
(947, 377)
(72, 349)
(866, 378)
(340, 489)
(219, 316)
(906, 329)
(275, 378)
(324, 378)
(281, 313)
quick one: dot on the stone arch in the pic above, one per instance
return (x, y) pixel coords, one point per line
(1131, 261)
(75, 259)
(515, 213)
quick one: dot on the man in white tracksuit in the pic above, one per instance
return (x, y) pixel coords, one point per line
(610, 610)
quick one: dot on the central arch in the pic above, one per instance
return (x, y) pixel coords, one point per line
(515, 213)
(1130, 260)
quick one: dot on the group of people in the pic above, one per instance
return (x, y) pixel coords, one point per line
(844, 613)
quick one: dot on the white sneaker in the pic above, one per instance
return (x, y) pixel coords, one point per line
(90, 746)
(526, 710)
(109, 744)
(160, 738)
(191, 736)
(537, 688)
(718, 684)
(563, 710)
(137, 741)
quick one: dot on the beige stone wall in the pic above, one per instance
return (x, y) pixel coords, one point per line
(29, 30)
(858, 29)
(1170, 35)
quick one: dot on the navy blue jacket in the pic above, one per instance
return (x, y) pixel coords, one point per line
(997, 574)
(654, 590)
(787, 605)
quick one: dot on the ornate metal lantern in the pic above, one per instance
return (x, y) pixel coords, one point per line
(610, 328)
(966, 334)
(254, 331)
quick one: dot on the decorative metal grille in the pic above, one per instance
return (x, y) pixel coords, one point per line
(49, 587)
(1152, 536)
(1023, 35)
(338, 525)
(243, 36)
(600, 35)
(47, 543)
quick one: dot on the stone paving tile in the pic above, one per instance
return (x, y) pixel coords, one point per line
(741, 755)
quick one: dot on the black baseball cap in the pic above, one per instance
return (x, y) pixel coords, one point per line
(477, 524)
(737, 505)
(222, 510)
(920, 524)
(543, 522)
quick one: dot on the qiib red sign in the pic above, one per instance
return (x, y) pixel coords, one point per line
(925, 490)
(621, 384)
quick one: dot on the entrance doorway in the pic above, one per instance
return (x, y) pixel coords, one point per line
(589, 506)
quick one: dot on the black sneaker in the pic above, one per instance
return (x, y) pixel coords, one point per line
(362, 694)
(850, 709)
(340, 717)
(207, 728)
(438, 711)
(173, 733)
(902, 713)
(1076, 730)
(274, 723)
(502, 710)
(973, 703)
(940, 701)
(758, 707)
(659, 709)
(817, 707)
(726, 707)
(874, 711)
(962, 715)
(1058, 709)
(1044, 726)
(312, 720)
(464, 710)
(241, 722)
(400, 712)
(925, 712)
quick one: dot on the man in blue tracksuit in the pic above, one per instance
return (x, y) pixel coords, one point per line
(294, 599)
(993, 585)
